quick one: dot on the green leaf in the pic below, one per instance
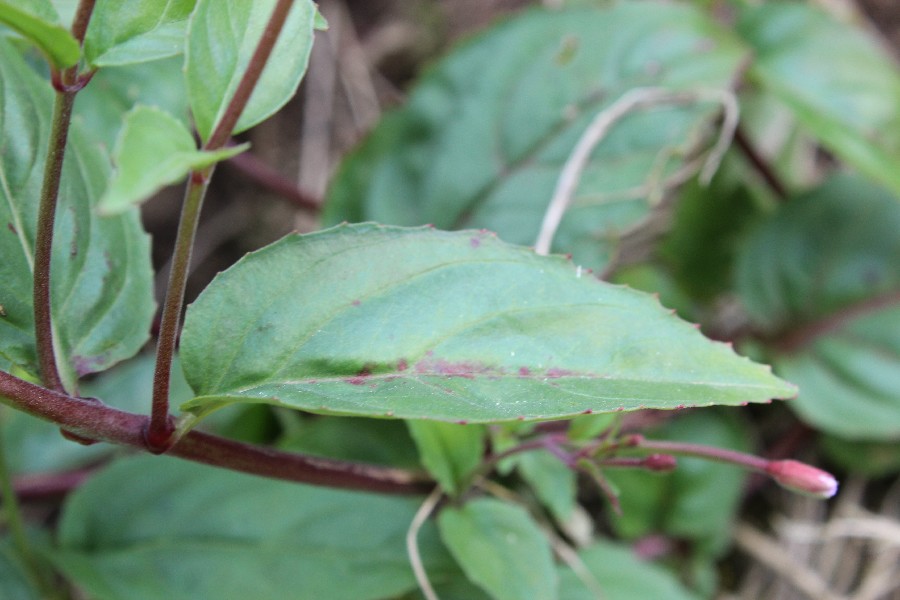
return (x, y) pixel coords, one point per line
(155, 527)
(375, 441)
(825, 272)
(708, 226)
(450, 452)
(15, 583)
(113, 91)
(154, 149)
(101, 292)
(124, 33)
(501, 549)
(483, 137)
(37, 20)
(417, 323)
(221, 39)
(620, 575)
(587, 427)
(868, 459)
(553, 482)
(840, 82)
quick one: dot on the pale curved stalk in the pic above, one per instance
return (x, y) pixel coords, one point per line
(636, 99)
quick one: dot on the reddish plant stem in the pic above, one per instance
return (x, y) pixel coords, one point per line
(82, 18)
(49, 486)
(67, 85)
(161, 429)
(94, 420)
(225, 126)
(43, 244)
(748, 461)
(272, 180)
(759, 163)
(160, 433)
(803, 336)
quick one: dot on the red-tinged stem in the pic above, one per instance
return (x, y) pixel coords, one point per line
(49, 486)
(803, 336)
(160, 433)
(222, 132)
(760, 164)
(748, 461)
(82, 18)
(93, 420)
(43, 244)
(161, 430)
(272, 180)
(67, 85)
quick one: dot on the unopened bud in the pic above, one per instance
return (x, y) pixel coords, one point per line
(659, 462)
(802, 478)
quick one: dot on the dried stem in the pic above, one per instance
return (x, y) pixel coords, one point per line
(412, 543)
(635, 99)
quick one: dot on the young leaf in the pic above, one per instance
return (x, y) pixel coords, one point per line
(485, 133)
(123, 33)
(449, 451)
(182, 530)
(221, 39)
(101, 106)
(620, 575)
(154, 149)
(500, 548)
(101, 292)
(37, 20)
(825, 271)
(838, 80)
(417, 323)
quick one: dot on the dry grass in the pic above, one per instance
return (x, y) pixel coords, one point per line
(842, 551)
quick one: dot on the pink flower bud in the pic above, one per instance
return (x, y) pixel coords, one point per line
(659, 462)
(802, 478)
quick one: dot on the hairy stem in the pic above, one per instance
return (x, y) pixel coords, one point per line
(91, 419)
(161, 429)
(160, 433)
(82, 18)
(43, 245)
(67, 85)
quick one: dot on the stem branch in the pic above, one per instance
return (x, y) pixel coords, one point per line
(96, 421)
(160, 433)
